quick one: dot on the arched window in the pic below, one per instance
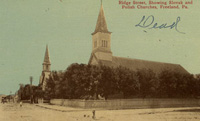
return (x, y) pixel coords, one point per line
(104, 43)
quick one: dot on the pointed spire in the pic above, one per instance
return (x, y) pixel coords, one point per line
(46, 57)
(101, 25)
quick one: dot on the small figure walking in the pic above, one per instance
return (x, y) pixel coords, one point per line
(20, 103)
(93, 114)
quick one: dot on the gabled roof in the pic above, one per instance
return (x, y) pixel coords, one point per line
(46, 57)
(136, 64)
(101, 25)
(93, 56)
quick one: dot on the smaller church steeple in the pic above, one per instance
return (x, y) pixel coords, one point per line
(46, 57)
(46, 69)
(46, 64)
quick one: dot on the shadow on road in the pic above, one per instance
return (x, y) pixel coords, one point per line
(188, 110)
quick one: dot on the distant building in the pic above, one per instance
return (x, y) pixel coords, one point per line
(46, 69)
(2, 96)
(102, 54)
(197, 76)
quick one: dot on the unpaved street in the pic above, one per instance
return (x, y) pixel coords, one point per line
(13, 112)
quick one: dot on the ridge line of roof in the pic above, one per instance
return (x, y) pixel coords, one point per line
(145, 60)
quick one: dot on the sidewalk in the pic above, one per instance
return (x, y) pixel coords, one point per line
(136, 111)
(60, 108)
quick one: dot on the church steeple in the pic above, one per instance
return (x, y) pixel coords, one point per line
(46, 69)
(101, 39)
(101, 25)
(46, 64)
(46, 57)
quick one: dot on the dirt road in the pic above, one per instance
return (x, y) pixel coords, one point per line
(13, 112)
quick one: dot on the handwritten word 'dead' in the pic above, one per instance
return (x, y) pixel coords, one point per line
(150, 24)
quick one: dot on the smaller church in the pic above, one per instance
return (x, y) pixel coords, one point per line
(102, 54)
(46, 71)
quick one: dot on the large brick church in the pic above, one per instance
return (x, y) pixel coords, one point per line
(102, 54)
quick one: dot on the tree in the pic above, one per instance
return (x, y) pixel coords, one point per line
(175, 84)
(80, 80)
(148, 83)
(125, 82)
(26, 93)
(50, 86)
(106, 85)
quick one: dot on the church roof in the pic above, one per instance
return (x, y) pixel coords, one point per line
(46, 57)
(101, 25)
(136, 64)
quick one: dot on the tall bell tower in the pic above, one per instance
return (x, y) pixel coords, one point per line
(101, 38)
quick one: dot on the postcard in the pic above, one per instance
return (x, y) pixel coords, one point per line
(99, 60)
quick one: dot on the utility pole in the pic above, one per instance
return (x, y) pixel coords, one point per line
(20, 91)
(31, 91)
(10, 96)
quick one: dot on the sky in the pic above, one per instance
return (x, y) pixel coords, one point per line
(27, 26)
